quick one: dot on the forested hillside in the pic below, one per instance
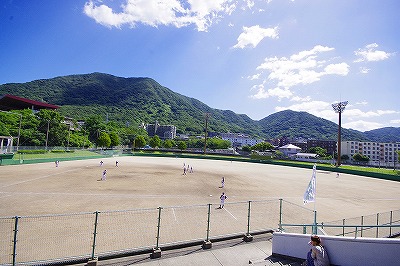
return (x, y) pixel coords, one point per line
(133, 101)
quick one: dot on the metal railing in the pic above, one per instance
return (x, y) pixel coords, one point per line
(77, 237)
(355, 231)
(378, 225)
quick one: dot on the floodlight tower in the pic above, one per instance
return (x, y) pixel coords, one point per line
(339, 108)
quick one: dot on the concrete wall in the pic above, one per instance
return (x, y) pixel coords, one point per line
(341, 250)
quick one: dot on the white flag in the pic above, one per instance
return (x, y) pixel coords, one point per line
(309, 195)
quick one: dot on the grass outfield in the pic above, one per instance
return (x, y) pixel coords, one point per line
(55, 155)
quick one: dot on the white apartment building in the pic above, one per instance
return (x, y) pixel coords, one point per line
(238, 139)
(378, 152)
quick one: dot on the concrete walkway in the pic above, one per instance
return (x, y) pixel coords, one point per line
(234, 252)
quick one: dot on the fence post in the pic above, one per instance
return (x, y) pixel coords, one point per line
(248, 237)
(157, 251)
(391, 220)
(343, 223)
(96, 219)
(207, 243)
(280, 215)
(377, 223)
(15, 241)
(362, 227)
(315, 223)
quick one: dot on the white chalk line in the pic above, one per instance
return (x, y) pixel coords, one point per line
(37, 178)
(230, 214)
(173, 212)
(5, 196)
(96, 194)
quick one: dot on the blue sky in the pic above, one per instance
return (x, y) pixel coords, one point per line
(254, 57)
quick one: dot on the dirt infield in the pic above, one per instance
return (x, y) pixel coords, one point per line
(148, 182)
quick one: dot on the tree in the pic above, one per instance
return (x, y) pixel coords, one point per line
(140, 142)
(169, 143)
(182, 145)
(93, 125)
(279, 154)
(114, 139)
(262, 146)
(104, 140)
(30, 135)
(358, 157)
(246, 148)
(321, 152)
(53, 126)
(155, 141)
(344, 157)
(217, 143)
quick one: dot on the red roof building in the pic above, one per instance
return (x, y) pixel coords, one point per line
(10, 102)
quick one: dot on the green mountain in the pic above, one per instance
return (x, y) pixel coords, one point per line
(143, 100)
(386, 134)
(302, 124)
(130, 100)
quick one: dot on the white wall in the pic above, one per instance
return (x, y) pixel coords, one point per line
(341, 250)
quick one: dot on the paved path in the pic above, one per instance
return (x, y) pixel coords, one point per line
(227, 253)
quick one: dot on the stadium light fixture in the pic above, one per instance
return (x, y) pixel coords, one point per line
(339, 108)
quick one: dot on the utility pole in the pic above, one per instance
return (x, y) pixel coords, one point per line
(47, 133)
(339, 108)
(207, 115)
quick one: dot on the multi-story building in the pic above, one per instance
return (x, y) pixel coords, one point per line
(163, 131)
(238, 139)
(328, 145)
(378, 152)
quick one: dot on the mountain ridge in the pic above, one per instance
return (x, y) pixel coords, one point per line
(143, 100)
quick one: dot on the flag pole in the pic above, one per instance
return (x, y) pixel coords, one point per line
(310, 196)
(315, 201)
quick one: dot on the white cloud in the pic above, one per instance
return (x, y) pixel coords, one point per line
(255, 76)
(300, 99)
(396, 121)
(364, 70)
(361, 103)
(275, 92)
(154, 13)
(354, 117)
(301, 68)
(369, 53)
(252, 36)
(338, 69)
(316, 108)
(313, 51)
(362, 125)
(357, 113)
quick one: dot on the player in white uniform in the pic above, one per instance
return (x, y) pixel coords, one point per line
(104, 176)
(222, 198)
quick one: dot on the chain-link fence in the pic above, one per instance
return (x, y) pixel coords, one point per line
(49, 239)
(28, 240)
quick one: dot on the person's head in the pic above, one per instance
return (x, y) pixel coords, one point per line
(315, 240)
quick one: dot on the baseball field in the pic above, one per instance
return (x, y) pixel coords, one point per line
(148, 182)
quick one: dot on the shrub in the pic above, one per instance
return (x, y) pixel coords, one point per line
(32, 151)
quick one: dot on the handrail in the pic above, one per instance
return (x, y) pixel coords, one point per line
(357, 227)
(335, 225)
